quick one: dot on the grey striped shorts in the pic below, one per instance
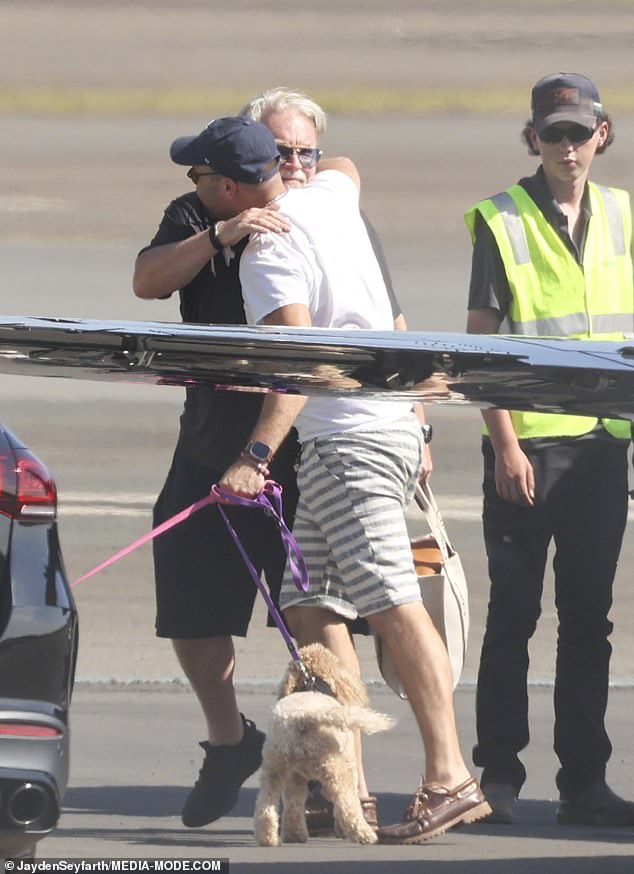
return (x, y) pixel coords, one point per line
(355, 487)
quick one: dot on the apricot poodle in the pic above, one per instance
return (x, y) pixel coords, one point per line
(311, 737)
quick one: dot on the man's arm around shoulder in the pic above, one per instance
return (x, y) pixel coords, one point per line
(161, 270)
(343, 165)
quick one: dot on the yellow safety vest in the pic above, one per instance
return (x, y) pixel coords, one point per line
(553, 296)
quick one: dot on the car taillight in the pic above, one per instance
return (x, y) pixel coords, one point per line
(27, 490)
(8, 478)
(27, 729)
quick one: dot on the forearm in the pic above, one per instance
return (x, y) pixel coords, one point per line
(501, 431)
(245, 476)
(277, 417)
(486, 320)
(162, 270)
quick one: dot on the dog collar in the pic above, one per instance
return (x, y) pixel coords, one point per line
(315, 684)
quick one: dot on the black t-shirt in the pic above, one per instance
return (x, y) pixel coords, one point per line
(215, 425)
(385, 270)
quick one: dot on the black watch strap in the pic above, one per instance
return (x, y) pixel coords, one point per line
(213, 237)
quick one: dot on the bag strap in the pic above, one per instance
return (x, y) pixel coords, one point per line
(426, 502)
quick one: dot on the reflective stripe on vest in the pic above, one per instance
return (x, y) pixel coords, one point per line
(552, 295)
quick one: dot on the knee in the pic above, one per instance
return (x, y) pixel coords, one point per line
(510, 626)
(305, 623)
(318, 625)
(513, 610)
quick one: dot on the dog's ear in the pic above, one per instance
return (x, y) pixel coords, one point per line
(323, 663)
(349, 689)
(289, 681)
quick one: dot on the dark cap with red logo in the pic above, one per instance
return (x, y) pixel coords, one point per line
(565, 97)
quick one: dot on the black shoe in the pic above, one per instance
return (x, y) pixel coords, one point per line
(596, 805)
(320, 818)
(223, 772)
(502, 797)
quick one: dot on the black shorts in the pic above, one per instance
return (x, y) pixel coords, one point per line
(203, 587)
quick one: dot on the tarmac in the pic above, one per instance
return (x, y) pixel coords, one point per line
(135, 758)
(92, 94)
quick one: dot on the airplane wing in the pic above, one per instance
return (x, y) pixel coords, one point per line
(521, 373)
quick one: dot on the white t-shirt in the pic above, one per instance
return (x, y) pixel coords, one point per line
(325, 262)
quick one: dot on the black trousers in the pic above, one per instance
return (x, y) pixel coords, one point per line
(581, 504)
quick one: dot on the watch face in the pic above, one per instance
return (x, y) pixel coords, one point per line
(260, 450)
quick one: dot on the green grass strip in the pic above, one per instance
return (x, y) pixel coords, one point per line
(208, 102)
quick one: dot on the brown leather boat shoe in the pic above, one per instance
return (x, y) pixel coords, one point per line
(433, 810)
(370, 814)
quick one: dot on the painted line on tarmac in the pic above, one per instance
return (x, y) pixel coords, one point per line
(18, 203)
(128, 504)
(134, 504)
(459, 508)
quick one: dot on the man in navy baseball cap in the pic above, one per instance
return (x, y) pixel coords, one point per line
(565, 97)
(235, 147)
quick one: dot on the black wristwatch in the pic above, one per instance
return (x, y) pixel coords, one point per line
(427, 433)
(258, 453)
(213, 237)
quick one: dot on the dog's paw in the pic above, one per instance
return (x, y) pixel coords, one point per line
(357, 834)
(294, 837)
(266, 837)
(369, 837)
(268, 840)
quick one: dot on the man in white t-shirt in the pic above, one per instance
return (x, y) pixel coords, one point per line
(322, 254)
(359, 466)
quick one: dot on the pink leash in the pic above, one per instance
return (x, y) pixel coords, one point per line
(270, 501)
(160, 529)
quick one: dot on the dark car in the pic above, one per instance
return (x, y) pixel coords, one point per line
(38, 648)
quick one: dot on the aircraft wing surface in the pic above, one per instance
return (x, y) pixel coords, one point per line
(522, 373)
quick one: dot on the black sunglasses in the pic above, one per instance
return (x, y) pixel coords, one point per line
(307, 157)
(578, 133)
(195, 175)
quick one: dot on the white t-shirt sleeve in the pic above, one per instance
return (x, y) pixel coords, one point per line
(277, 270)
(273, 274)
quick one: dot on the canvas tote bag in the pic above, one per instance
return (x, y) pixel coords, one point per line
(443, 587)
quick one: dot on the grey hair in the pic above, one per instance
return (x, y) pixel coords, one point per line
(283, 99)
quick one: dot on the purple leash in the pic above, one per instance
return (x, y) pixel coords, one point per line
(270, 501)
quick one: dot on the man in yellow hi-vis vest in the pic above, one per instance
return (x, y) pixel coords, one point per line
(552, 257)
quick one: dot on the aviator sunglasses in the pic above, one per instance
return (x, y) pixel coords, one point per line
(307, 157)
(575, 134)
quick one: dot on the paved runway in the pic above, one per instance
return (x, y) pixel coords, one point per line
(135, 756)
(87, 117)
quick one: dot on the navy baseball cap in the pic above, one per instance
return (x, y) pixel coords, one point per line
(565, 97)
(241, 149)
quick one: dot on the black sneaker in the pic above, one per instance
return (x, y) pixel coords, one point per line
(596, 805)
(502, 798)
(320, 817)
(223, 772)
